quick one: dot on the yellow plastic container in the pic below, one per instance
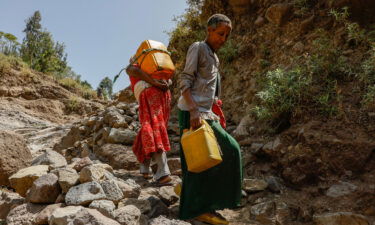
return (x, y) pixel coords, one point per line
(200, 148)
(154, 59)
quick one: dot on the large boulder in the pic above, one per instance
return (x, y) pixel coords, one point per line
(15, 155)
(45, 189)
(24, 179)
(118, 156)
(165, 221)
(42, 217)
(128, 215)
(340, 218)
(67, 178)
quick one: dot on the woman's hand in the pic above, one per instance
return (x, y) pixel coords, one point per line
(161, 84)
(195, 118)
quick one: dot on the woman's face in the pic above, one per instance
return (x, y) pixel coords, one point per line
(218, 36)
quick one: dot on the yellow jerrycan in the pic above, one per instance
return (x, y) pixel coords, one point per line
(154, 58)
(200, 148)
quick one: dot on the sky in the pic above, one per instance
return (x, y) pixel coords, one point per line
(100, 36)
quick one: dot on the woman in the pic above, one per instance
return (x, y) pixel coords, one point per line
(152, 141)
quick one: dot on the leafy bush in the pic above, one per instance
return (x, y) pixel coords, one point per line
(79, 87)
(283, 91)
(73, 104)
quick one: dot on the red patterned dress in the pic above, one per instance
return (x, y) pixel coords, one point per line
(154, 111)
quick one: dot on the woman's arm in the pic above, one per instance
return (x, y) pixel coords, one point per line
(135, 71)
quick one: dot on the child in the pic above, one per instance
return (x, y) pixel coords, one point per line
(218, 187)
(152, 141)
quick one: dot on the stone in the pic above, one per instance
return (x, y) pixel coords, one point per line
(142, 204)
(174, 165)
(15, 155)
(8, 201)
(254, 185)
(79, 215)
(272, 147)
(158, 207)
(341, 189)
(340, 218)
(24, 178)
(167, 195)
(106, 207)
(298, 47)
(105, 166)
(112, 190)
(84, 194)
(24, 214)
(50, 158)
(45, 189)
(42, 217)
(82, 163)
(67, 178)
(240, 7)
(121, 136)
(278, 13)
(259, 21)
(129, 188)
(118, 156)
(274, 184)
(91, 173)
(263, 212)
(128, 215)
(165, 221)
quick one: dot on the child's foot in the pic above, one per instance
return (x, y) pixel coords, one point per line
(212, 218)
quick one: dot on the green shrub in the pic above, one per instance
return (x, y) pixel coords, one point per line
(73, 104)
(283, 91)
(78, 87)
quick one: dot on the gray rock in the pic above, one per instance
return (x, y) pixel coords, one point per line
(8, 201)
(128, 215)
(112, 190)
(67, 178)
(142, 204)
(165, 221)
(341, 189)
(254, 185)
(79, 215)
(24, 214)
(118, 156)
(50, 158)
(167, 195)
(42, 217)
(121, 136)
(91, 173)
(106, 207)
(129, 188)
(157, 207)
(274, 184)
(44, 190)
(278, 13)
(263, 212)
(84, 194)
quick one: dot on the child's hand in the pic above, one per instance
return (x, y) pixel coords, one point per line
(195, 119)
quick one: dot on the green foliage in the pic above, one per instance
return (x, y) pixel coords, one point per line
(229, 51)
(282, 92)
(105, 88)
(39, 49)
(80, 87)
(9, 44)
(303, 5)
(73, 104)
(8, 62)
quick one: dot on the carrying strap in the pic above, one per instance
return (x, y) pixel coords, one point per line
(144, 52)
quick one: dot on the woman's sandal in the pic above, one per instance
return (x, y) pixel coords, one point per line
(212, 218)
(163, 181)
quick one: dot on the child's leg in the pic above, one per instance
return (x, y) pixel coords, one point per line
(145, 167)
(161, 160)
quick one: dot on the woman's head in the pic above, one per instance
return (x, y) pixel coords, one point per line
(219, 27)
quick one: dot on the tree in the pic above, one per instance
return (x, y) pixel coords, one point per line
(8, 44)
(30, 45)
(105, 88)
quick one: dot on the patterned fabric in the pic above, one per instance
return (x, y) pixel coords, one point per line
(154, 110)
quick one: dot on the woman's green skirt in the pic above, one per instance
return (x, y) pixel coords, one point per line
(216, 188)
